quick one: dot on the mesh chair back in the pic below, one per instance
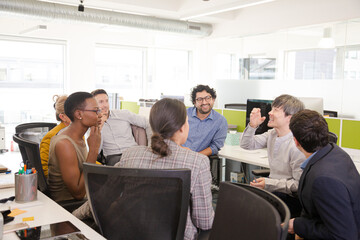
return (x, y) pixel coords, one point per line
(34, 132)
(276, 202)
(138, 203)
(332, 137)
(31, 157)
(240, 212)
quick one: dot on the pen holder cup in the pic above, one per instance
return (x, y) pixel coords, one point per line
(25, 187)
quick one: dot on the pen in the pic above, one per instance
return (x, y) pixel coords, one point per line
(255, 180)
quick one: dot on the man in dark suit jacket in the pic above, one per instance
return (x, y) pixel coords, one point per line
(329, 187)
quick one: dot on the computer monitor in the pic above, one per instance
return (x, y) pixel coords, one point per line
(180, 98)
(265, 107)
(313, 103)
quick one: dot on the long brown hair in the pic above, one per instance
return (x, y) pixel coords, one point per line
(166, 117)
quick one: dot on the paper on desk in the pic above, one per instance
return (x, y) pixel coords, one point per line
(16, 212)
(13, 205)
(7, 180)
(14, 227)
(247, 151)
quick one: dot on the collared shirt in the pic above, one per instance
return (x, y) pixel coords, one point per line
(116, 134)
(283, 155)
(303, 165)
(201, 214)
(210, 132)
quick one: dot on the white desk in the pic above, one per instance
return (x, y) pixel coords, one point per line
(46, 213)
(256, 157)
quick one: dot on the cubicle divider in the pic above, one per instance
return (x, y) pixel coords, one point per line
(348, 131)
(131, 106)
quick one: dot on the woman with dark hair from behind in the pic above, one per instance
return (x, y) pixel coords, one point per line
(169, 122)
(68, 149)
(64, 122)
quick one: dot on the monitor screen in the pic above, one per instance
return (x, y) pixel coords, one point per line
(180, 98)
(265, 106)
(313, 103)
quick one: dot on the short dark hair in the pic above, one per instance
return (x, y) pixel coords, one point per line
(166, 117)
(288, 103)
(200, 88)
(310, 129)
(74, 102)
(98, 91)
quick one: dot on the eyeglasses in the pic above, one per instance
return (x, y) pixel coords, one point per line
(207, 99)
(97, 111)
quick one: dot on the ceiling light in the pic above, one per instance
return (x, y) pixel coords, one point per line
(43, 27)
(229, 7)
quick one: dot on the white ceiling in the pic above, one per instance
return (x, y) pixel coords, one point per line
(211, 11)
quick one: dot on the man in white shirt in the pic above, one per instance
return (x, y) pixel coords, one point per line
(284, 157)
(116, 132)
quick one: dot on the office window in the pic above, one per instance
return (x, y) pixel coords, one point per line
(311, 64)
(258, 68)
(352, 63)
(120, 69)
(226, 66)
(31, 64)
(169, 72)
(31, 72)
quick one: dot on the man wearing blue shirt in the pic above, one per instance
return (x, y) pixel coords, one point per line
(329, 187)
(208, 128)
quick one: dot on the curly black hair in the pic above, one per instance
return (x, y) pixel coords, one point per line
(200, 88)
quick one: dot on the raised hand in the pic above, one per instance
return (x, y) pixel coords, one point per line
(255, 118)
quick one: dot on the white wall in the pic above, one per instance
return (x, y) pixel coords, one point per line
(339, 94)
(284, 14)
(239, 36)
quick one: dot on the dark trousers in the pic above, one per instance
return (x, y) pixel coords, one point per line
(111, 160)
(294, 206)
(293, 203)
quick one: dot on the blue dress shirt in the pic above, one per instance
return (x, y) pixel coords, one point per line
(303, 165)
(210, 132)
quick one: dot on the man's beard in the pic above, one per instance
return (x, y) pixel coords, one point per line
(202, 112)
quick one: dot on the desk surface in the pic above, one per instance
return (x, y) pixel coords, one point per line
(258, 157)
(255, 157)
(46, 212)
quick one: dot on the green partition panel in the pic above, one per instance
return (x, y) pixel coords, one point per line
(334, 126)
(236, 117)
(350, 134)
(218, 110)
(131, 106)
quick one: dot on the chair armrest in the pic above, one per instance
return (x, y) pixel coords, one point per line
(72, 204)
(204, 235)
(261, 172)
(214, 157)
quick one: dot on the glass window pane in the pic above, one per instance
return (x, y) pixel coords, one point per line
(171, 73)
(120, 69)
(311, 64)
(31, 64)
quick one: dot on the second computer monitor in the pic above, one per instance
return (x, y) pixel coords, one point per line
(265, 107)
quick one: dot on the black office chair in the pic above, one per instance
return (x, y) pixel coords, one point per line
(31, 156)
(215, 168)
(333, 137)
(33, 132)
(147, 204)
(245, 212)
(265, 172)
(240, 106)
